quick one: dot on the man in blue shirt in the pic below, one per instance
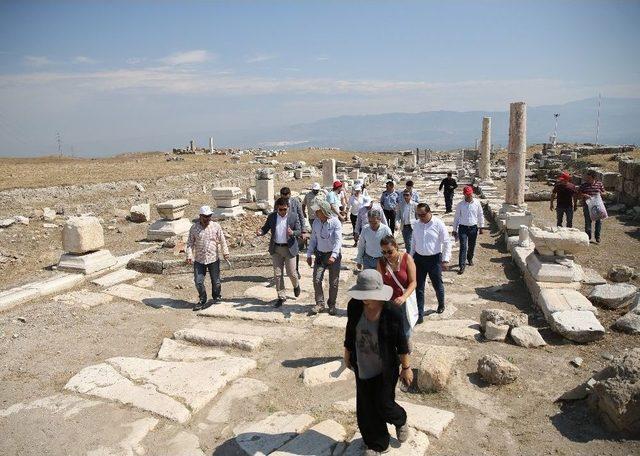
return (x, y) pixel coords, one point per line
(333, 198)
(326, 245)
(389, 202)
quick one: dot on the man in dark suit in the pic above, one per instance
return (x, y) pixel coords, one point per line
(283, 246)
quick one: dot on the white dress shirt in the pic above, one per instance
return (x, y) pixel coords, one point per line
(431, 238)
(281, 229)
(369, 242)
(468, 214)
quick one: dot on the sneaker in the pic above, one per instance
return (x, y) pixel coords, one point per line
(440, 309)
(316, 310)
(369, 452)
(332, 310)
(420, 321)
(470, 262)
(198, 306)
(296, 291)
(402, 432)
(279, 303)
(461, 271)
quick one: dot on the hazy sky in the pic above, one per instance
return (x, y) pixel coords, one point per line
(109, 74)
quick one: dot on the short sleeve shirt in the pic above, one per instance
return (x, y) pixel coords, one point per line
(367, 348)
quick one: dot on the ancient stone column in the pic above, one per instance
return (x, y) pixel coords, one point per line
(517, 154)
(265, 192)
(328, 172)
(210, 145)
(485, 150)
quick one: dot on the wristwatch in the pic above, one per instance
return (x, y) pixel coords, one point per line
(405, 368)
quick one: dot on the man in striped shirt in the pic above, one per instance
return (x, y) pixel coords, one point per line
(589, 188)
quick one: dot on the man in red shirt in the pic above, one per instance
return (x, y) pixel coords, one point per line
(589, 188)
(566, 193)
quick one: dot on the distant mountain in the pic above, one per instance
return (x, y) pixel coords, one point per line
(619, 124)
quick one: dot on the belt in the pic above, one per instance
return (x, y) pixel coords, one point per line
(281, 245)
(428, 256)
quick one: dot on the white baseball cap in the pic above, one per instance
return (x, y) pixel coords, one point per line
(205, 210)
(366, 200)
(315, 186)
(357, 188)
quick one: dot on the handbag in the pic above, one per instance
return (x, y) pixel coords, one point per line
(597, 209)
(411, 304)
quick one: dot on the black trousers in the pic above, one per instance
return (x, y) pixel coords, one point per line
(467, 235)
(391, 219)
(354, 219)
(375, 407)
(448, 201)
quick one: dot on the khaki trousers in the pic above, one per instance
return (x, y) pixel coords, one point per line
(282, 260)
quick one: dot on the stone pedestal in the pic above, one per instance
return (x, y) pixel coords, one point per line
(328, 172)
(82, 235)
(517, 154)
(172, 209)
(484, 169)
(550, 270)
(222, 213)
(265, 193)
(558, 240)
(163, 229)
(86, 263)
(227, 196)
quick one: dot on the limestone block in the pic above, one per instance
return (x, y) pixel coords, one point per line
(140, 213)
(261, 438)
(318, 440)
(591, 277)
(227, 212)
(561, 299)
(226, 192)
(115, 277)
(183, 444)
(333, 371)
(82, 235)
(163, 229)
(175, 350)
(172, 209)
(503, 317)
(219, 339)
(240, 390)
(514, 220)
(436, 365)
(621, 273)
(264, 173)
(577, 325)
(87, 263)
(558, 240)
(558, 271)
(328, 172)
(151, 298)
(102, 380)
(613, 296)
(194, 383)
(628, 323)
(527, 336)
(497, 370)
(15, 296)
(461, 329)
(495, 332)
(416, 445)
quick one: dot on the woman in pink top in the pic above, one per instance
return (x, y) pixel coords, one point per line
(404, 269)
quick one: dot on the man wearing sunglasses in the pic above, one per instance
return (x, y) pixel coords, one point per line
(431, 251)
(284, 225)
(206, 239)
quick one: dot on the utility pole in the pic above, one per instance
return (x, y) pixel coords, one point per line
(59, 141)
(598, 119)
(555, 130)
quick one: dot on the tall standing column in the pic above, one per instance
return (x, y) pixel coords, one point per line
(485, 150)
(517, 154)
(328, 172)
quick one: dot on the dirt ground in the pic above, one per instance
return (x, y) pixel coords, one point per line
(44, 343)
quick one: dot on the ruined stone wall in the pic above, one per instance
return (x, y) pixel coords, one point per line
(629, 182)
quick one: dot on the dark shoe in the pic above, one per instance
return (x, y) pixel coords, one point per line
(402, 433)
(440, 309)
(208, 304)
(597, 241)
(279, 303)
(461, 271)
(420, 321)
(470, 262)
(198, 307)
(299, 276)
(332, 310)
(296, 291)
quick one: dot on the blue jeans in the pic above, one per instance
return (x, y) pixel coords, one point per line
(199, 271)
(428, 265)
(407, 235)
(369, 262)
(467, 235)
(587, 223)
(561, 212)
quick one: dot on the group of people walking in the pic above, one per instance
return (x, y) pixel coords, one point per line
(379, 321)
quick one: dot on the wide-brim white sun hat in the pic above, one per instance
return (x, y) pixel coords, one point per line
(205, 210)
(315, 186)
(369, 286)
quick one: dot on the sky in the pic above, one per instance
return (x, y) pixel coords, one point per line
(122, 76)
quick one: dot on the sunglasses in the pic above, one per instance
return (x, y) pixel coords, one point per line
(387, 252)
(424, 214)
(282, 209)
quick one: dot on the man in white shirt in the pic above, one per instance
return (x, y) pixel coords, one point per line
(467, 224)
(431, 251)
(407, 217)
(369, 251)
(283, 246)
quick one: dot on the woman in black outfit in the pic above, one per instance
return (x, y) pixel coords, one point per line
(376, 349)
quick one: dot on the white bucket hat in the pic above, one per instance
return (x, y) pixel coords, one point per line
(370, 286)
(206, 210)
(357, 188)
(315, 186)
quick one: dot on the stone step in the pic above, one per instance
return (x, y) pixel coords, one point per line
(148, 297)
(240, 389)
(461, 329)
(416, 445)
(219, 339)
(84, 299)
(265, 436)
(334, 371)
(319, 440)
(175, 350)
(257, 311)
(116, 277)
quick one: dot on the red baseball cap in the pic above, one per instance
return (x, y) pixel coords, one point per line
(337, 184)
(468, 190)
(565, 176)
